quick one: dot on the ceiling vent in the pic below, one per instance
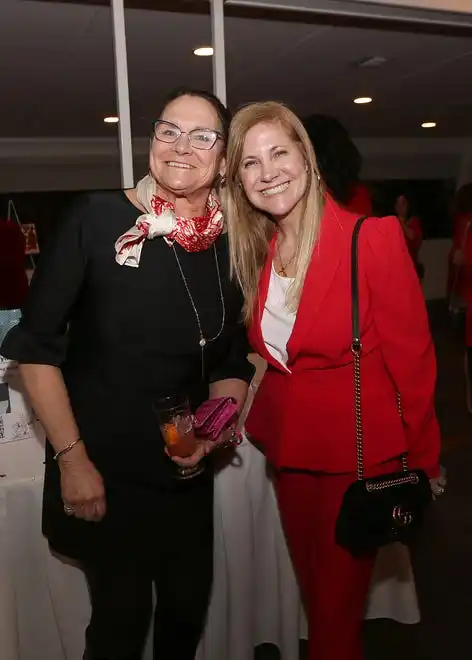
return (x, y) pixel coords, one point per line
(372, 62)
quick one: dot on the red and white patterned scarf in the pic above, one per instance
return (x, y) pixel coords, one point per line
(193, 234)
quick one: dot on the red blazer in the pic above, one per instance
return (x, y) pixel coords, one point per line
(304, 419)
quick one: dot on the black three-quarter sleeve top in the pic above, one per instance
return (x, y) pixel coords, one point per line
(123, 337)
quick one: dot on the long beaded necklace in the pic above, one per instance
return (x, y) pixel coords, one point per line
(203, 339)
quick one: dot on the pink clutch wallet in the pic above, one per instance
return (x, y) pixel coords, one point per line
(216, 415)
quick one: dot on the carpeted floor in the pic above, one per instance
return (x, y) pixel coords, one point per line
(443, 558)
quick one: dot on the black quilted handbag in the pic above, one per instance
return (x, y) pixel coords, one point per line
(384, 509)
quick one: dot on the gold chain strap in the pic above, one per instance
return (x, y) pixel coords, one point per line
(356, 349)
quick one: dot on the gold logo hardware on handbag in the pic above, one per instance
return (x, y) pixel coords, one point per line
(401, 516)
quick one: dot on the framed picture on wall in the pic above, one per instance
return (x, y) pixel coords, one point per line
(29, 232)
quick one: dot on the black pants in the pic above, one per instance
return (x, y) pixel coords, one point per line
(121, 591)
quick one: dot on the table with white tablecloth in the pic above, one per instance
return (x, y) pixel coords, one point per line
(44, 604)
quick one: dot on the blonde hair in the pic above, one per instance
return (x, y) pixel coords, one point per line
(250, 230)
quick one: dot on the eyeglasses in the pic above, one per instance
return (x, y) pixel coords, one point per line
(199, 138)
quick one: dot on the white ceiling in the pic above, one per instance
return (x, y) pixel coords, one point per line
(57, 71)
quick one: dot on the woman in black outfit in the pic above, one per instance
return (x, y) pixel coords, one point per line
(122, 312)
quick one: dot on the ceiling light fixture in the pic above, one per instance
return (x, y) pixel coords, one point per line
(112, 119)
(428, 124)
(362, 100)
(203, 51)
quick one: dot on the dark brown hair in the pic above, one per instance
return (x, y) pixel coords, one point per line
(221, 110)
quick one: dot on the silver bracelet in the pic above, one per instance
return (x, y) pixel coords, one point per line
(66, 449)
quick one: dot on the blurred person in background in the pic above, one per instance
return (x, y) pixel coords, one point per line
(460, 273)
(411, 227)
(13, 277)
(339, 162)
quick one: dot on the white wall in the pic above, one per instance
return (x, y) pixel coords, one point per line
(64, 164)
(416, 158)
(434, 257)
(18, 177)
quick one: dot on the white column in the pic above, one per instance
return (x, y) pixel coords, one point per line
(122, 93)
(218, 36)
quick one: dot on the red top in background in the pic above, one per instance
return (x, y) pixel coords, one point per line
(462, 273)
(13, 279)
(361, 201)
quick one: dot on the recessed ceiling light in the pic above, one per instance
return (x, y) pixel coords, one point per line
(203, 51)
(111, 120)
(428, 124)
(362, 100)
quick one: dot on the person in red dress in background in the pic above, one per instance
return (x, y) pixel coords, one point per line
(411, 226)
(13, 279)
(460, 271)
(461, 216)
(339, 163)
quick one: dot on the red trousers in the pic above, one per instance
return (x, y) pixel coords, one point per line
(334, 585)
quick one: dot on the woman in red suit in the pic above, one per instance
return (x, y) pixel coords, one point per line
(290, 244)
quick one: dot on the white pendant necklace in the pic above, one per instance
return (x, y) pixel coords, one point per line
(203, 341)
